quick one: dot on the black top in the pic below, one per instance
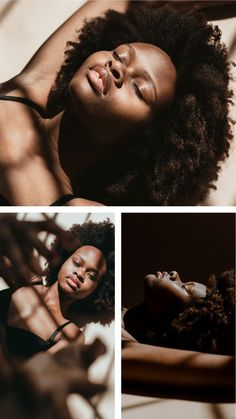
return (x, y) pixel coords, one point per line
(65, 198)
(22, 343)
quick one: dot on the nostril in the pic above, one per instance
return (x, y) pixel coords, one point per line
(115, 74)
(173, 275)
(79, 276)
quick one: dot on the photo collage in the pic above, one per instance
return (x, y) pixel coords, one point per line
(117, 209)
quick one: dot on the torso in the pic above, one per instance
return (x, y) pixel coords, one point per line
(34, 317)
(30, 170)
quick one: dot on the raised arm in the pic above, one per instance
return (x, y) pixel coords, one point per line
(37, 77)
(162, 372)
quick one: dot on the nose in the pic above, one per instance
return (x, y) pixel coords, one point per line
(118, 71)
(174, 276)
(80, 275)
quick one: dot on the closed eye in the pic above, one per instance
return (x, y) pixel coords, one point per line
(117, 57)
(76, 262)
(92, 276)
(137, 90)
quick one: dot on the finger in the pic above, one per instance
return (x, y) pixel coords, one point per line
(14, 245)
(32, 261)
(59, 406)
(34, 242)
(8, 275)
(13, 251)
(65, 237)
(87, 389)
(90, 353)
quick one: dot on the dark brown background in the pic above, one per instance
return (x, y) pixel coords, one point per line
(195, 245)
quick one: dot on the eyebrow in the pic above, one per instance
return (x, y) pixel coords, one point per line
(133, 52)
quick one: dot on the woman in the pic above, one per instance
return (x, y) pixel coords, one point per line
(37, 318)
(158, 77)
(186, 315)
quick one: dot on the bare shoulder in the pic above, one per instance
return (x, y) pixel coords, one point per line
(23, 294)
(23, 303)
(19, 132)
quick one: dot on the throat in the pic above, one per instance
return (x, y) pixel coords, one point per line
(77, 152)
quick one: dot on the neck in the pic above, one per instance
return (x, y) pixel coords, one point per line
(76, 151)
(58, 301)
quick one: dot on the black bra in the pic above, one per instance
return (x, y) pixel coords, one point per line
(65, 198)
(20, 342)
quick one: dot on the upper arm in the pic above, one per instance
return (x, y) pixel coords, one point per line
(39, 74)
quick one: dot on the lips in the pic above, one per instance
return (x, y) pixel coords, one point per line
(73, 282)
(99, 79)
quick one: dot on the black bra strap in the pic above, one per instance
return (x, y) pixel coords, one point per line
(58, 330)
(25, 101)
(63, 200)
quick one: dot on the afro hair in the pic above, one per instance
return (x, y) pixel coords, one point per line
(176, 159)
(101, 236)
(206, 324)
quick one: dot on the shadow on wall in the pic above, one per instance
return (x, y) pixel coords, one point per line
(6, 8)
(195, 245)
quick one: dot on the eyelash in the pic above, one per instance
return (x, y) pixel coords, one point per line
(76, 263)
(90, 275)
(137, 90)
(134, 85)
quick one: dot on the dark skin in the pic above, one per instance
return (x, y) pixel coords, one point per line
(18, 239)
(141, 81)
(165, 295)
(40, 386)
(78, 277)
(32, 148)
(124, 89)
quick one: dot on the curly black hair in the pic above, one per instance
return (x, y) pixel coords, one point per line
(206, 324)
(174, 161)
(101, 236)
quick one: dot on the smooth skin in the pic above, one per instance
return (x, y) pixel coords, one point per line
(172, 373)
(40, 159)
(165, 296)
(78, 277)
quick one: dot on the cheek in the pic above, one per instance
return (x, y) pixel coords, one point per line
(64, 269)
(120, 106)
(125, 108)
(91, 286)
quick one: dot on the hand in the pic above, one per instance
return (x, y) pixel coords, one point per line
(18, 239)
(52, 377)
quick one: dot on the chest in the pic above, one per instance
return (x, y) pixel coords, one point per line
(28, 312)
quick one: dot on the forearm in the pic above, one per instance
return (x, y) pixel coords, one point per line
(163, 372)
